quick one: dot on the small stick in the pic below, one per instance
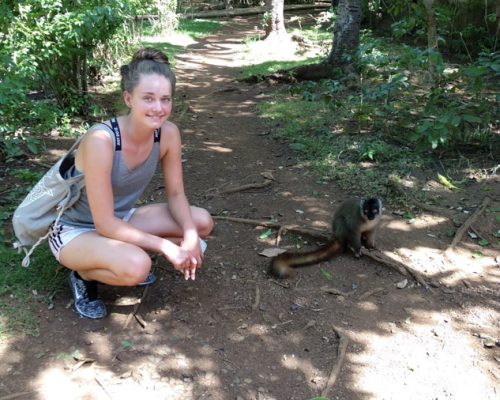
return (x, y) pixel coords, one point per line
(15, 395)
(344, 341)
(102, 387)
(369, 293)
(140, 320)
(268, 224)
(335, 292)
(136, 308)
(255, 305)
(466, 225)
(396, 265)
(248, 186)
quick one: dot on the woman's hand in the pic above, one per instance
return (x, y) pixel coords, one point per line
(191, 243)
(180, 258)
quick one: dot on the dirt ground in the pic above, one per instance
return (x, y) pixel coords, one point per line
(348, 329)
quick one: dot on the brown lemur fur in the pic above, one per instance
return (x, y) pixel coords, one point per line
(354, 224)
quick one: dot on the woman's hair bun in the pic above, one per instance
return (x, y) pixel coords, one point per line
(149, 53)
(124, 69)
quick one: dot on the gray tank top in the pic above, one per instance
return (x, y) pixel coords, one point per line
(128, 185)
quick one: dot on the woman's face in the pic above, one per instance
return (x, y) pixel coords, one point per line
(151, 100)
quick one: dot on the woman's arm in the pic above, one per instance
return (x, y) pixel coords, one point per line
(174, 187)
(95, 161)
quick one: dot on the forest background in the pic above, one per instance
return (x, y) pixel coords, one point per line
(291, 115)
(415, 84)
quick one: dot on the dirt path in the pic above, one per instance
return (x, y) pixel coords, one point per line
(236, 334)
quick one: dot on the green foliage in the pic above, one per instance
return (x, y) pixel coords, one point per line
(391, 118)
(48, 51)
(269, 67)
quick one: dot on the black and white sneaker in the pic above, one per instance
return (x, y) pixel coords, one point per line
(150, 279)
(86, 300)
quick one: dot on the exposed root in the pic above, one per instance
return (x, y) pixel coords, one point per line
(344, 341)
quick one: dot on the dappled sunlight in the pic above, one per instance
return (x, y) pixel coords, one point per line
(416, 223)
(174, 38)
(55, 384)
(432, 358)
(220, 149)
(305, 366)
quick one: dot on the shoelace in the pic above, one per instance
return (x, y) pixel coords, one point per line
(89, 289)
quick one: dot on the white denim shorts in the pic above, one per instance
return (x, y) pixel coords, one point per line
(61, 234)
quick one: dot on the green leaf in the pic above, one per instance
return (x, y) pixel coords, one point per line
(472, 118)
(484, 243)
(326, 274)
(477, 254)
(408, 215)
(266, 234)
(445, 182)
(126, 344)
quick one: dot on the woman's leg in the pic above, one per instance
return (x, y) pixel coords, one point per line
(157, 220)
(108, 261)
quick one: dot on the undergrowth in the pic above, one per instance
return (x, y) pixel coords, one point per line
(390, 123)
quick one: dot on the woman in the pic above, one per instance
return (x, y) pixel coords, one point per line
(102, 238)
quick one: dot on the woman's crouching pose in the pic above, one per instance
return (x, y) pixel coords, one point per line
(103, 238)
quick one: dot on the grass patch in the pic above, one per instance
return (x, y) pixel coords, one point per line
(314, 132)
(24, 290)
(198, 28)
(270, 67)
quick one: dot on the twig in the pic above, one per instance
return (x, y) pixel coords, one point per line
(335, 292)
(396, 265)
(102, 387)
(369, 293)
(466, 225)
(140, 320)
(434, 209)
(15, 395)
(136, 308)
(282, 284)
(344, 341)
(256, 303)
(248, 186)
(274, 225)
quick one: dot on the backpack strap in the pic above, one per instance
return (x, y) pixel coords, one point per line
(116, 131)
(118, 138)
(157, 135)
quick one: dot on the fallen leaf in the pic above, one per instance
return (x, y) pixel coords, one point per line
(445, 182)
(271, 252)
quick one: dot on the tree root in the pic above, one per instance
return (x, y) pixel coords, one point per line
(466, 225)
(242, 188)
(273, 225)
(396, 265)
(341, 351)
(373, 254)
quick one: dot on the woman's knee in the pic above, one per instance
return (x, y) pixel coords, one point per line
(204, 222)
(135, 268)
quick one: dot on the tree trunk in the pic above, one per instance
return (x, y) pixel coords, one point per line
(275, 25)
(432, 37)
(346, 32)
(344, 46)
